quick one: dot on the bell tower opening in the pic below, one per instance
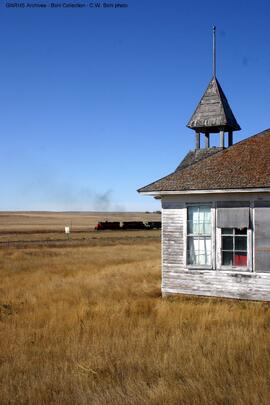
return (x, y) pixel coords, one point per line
(213, 114)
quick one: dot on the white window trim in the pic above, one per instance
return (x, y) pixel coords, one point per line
(216, 244)
(213, 239)
(234, 269)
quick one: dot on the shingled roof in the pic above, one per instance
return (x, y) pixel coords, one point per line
(213, 112)
(195, 155)
(244, 165)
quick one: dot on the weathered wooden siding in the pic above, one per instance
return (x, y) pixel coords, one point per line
(172, 238)
(177, 278)
(262, 238)
(172, 234)
(252, 286)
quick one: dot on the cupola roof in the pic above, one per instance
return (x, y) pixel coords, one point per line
(213, 112)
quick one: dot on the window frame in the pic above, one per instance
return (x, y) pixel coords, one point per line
(212, 238)
(222, 267)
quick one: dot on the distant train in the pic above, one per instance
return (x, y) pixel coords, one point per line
(102, 226)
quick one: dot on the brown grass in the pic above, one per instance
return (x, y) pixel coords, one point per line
(87, 325)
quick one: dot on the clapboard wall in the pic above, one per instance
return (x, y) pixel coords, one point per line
(178, 278)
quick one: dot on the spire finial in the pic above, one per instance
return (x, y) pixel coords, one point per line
(214, 51)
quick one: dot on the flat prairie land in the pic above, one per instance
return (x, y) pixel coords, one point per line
(30, 221)
(86, 324)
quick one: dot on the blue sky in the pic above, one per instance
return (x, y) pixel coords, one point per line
(94, 102)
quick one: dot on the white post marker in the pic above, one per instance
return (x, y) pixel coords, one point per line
(67, 231)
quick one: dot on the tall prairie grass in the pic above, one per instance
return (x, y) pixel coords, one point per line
(87, 325)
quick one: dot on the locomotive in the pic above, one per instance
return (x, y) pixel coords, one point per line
(127, 225)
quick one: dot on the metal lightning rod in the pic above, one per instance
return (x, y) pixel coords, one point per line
(214, 51)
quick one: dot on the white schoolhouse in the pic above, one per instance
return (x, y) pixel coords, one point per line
(216, 209)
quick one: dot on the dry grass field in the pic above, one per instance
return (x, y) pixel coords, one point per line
(85, 324)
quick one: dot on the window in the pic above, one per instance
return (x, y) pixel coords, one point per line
(234, 247)
(199, 235)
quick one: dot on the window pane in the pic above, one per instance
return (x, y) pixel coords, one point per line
(241, 231)
(234, 247)
(207, 248)
(227, 258)
(227, 231)
(240, 259)
(189, 226)
(192, 246)
(240, 243)
(199, 250)
(227, 242)
(207, 228)
(193, 220)
(191, 211)
(205, 220)
(199, 220)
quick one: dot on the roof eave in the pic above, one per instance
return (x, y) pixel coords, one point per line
(214, 191)
(214, 129)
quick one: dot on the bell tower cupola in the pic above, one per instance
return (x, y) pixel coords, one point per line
(213, 113)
